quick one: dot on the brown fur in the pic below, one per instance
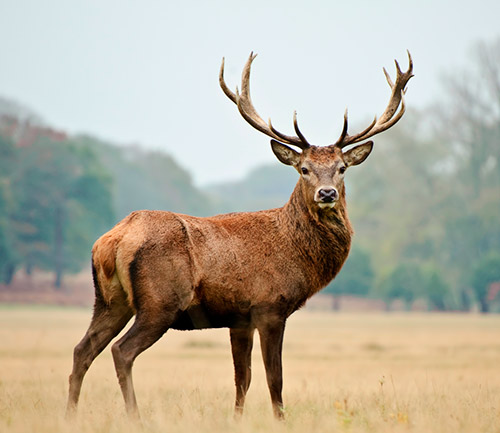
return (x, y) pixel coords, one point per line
(244, 271)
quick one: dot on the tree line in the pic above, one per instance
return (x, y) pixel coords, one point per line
(425, 205)
(58, 194)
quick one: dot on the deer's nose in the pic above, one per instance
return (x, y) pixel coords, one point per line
(327, 195)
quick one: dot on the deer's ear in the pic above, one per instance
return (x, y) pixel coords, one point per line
(285, 154)
(358, 154)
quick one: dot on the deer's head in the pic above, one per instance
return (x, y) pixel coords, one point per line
(321, 168)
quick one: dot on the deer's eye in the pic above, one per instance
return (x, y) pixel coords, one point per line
(342, 169)
(304, 170)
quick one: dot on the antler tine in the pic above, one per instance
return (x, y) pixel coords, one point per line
(388, 78)
(303, 144)
(248, 112)
(223, 85)
(344, 129)
(297, 130)
(346, 139)
(391, 115)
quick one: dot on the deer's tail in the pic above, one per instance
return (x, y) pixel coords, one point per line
(107, 285)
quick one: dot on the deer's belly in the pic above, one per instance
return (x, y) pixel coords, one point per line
(200, 317)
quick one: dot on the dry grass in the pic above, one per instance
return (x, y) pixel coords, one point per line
(346, 372)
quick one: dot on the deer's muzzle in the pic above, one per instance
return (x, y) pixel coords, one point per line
(326, 196)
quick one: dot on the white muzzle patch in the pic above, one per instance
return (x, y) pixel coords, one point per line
(327, 205)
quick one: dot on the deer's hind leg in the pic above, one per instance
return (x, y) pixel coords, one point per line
(147, 329)
(162, 291)
(107, 322)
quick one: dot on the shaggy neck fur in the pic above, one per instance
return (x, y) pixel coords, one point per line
(322, 237)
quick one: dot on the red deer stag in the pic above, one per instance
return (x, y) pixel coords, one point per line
(243, 271)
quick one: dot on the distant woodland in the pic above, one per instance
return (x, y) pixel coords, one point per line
(425, 205)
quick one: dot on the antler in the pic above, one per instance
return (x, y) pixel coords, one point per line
(390, 116)
(247, 110)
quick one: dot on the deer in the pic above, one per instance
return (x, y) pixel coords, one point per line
(244, 271)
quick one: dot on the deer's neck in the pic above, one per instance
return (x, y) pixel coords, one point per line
(320, 237)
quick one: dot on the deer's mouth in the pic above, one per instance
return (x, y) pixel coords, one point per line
(327, 205)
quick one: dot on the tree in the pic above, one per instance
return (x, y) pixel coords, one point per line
(355, 278)
(264, 187)
(58, 194)
(147, 180)
(8, 254)
(485, 272)
(470, 118)
(435, 289)
(405, 282)
(432, 197)
(395, 197)
(469, 122)
(63, 202)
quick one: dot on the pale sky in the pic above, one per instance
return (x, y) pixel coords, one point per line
(146, 71)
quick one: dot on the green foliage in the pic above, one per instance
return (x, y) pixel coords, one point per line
(485, 272)
(60, 203)
(431, 197)
(147, 180)
(436, 289)
(57, 197)
(404, 282)
(392, 196)
(471, 127)
(54, 200)
(356, 276)
(8, 254)
(265, 187)
(409, 281)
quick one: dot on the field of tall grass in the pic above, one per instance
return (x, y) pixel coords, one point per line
(342, 373)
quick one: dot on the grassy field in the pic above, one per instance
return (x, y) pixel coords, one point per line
(346, 372)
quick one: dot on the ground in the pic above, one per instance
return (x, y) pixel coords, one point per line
(38, 289)
(349, 372)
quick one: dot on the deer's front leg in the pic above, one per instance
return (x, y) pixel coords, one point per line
(271, 342)
(241, 348)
